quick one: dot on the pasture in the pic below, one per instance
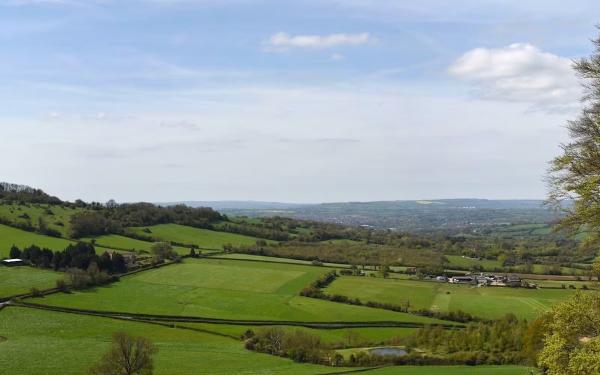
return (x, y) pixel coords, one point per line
(485, 302)
(11, 236)
(114, 241)
(346, 336)
(19, 280)
(55, 217)
(228, 289)
(275, 260)
(202, 238)
(44, 342)
(465, 262)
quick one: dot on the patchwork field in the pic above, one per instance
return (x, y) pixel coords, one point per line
(485, 302)
(114, 241)
(349, 336)
(228, 289)
(19, 280)
(11, 236)
(43, 342)
(202, 238)
(276, 260)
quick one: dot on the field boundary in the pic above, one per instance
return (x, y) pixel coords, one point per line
(239, 322)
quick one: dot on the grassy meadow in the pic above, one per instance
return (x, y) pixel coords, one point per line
(56, 217)
(11, 236)
(44, 342)
(276, 260)
(347, 336)
(228, 289)
(19, 280)
(114, 241)
(202, 238)
(459, 261)
(485, 302)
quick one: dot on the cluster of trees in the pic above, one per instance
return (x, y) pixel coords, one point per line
(349, 253)
(297, 345)
(315, 288)
(26, 225)
(254, 230)
(13, 193)
(79, 255)
(115, 219)
(500, 341)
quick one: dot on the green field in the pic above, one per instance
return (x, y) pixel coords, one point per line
(19, 280)
(114, 241)
(485, 302)
(202, 238)
(276, 260)
(463, 262)
(56, 217)
(228, 289)
(367, 336)
(11, 236)
(43, 342)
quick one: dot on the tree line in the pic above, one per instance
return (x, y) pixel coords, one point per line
(79, 255)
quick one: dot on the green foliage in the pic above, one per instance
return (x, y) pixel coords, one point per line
(501, 340)
(572, 341)
(348, 253)
(576, 173)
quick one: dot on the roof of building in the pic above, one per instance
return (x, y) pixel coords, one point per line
(12, 260)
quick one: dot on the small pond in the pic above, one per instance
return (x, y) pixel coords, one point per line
(391, 351)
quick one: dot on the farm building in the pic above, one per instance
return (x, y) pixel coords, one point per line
(13, 262)
(462, 280)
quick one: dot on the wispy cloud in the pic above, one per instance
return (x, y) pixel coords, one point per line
(282, 41)
(520, 72)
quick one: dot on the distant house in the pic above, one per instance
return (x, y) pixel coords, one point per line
(513, 281)
(462, 280)
(13, 262)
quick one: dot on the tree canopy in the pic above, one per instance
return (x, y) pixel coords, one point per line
(575, 174)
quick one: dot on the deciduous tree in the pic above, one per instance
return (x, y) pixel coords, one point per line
(127, 355)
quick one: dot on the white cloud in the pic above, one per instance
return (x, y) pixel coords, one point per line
(520, 72)
(282, 41)
(336, 57)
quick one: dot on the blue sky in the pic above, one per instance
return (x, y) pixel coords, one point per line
(302, 101)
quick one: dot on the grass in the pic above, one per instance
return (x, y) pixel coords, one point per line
(11, 236)
(485, 302)
(459, 261)
(56, 217)
(43, 342)
(202, 238)
(276, 260)
(331, 336)
(228, 289)
(125, 243)
(19, 280)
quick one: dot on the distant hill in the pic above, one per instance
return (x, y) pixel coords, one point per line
(413, 215)
(237, 205)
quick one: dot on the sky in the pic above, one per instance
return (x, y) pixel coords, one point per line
(294, 101)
